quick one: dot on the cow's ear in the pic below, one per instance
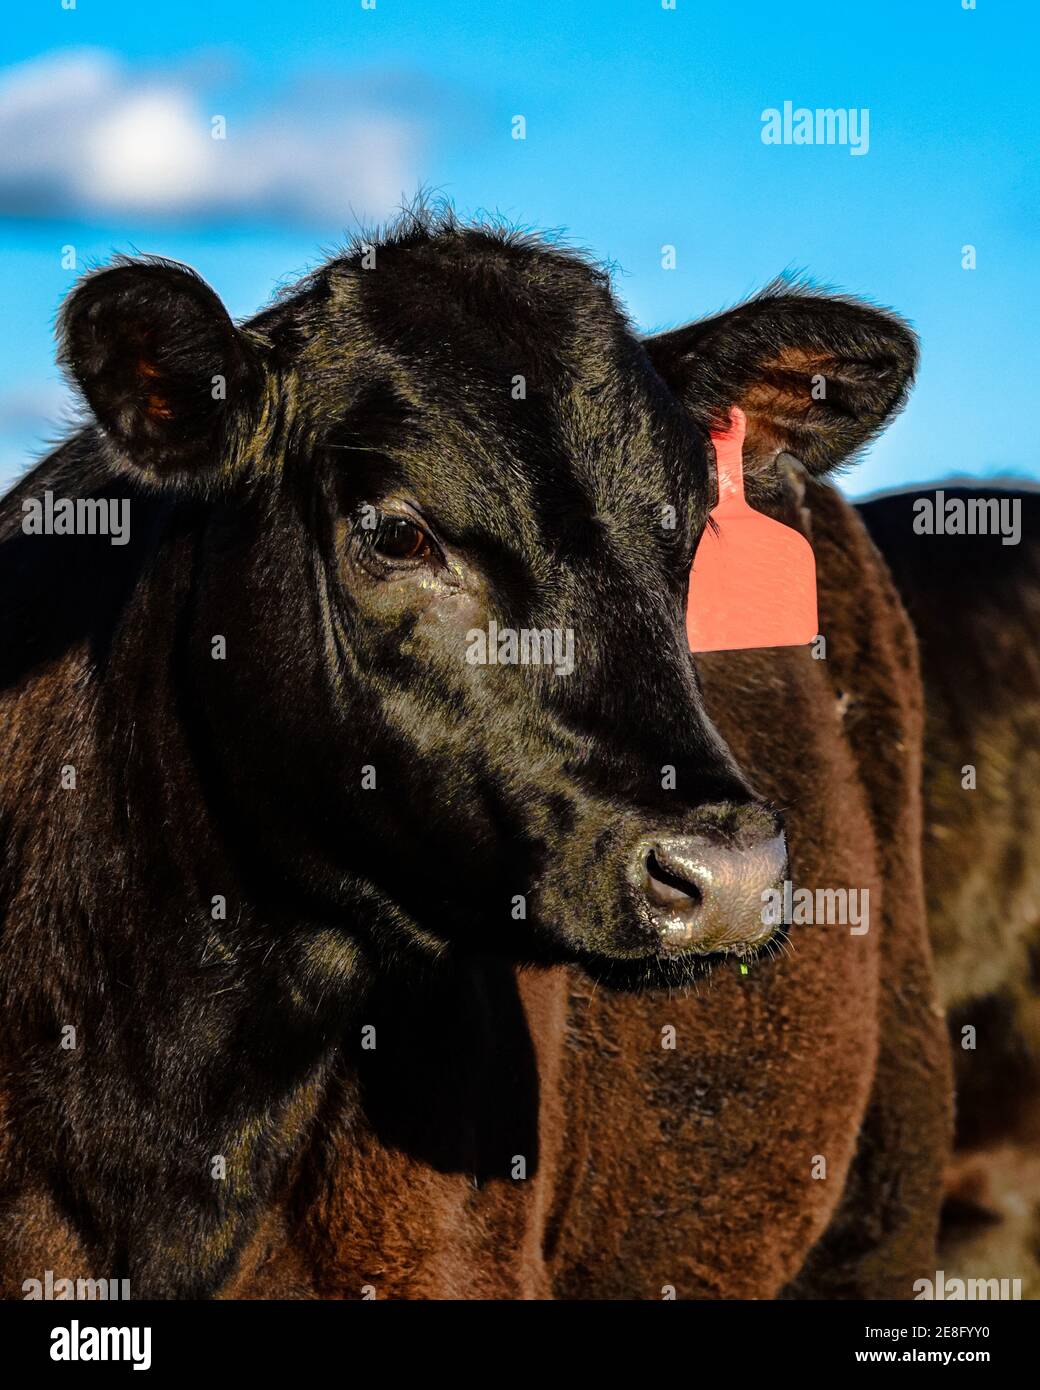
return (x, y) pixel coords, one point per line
(817, 375)
(163, 368)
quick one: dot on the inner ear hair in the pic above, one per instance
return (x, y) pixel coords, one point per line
(821, 406)
(158, 360)
(817, 374)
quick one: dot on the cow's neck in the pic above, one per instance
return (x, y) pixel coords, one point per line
(187, 1044)
(170, 1053)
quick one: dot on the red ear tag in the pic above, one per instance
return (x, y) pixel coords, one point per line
(753, 582)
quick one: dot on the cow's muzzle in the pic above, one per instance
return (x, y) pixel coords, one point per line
(703, 892)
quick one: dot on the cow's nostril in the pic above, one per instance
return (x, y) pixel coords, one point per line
(704, 892)
(667, 888)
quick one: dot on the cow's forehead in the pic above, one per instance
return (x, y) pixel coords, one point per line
(535, 319)
(565, 448)
(525, 356)
(520, 383)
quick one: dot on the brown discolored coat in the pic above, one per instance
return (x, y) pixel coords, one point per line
(975, 605)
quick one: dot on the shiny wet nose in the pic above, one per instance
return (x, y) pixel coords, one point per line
(704, 892)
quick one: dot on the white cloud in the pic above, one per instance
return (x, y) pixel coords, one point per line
(81, 134)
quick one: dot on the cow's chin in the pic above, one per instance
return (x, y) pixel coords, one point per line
(658, 967)
(644, 974)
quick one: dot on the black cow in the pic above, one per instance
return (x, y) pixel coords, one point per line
(388, 696)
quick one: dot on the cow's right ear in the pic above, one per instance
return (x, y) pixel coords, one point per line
(817, 375)
(161, 365)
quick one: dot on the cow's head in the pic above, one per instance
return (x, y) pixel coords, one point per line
(443, 504)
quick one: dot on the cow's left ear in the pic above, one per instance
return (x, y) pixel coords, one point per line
(817, 375)
(163, 368)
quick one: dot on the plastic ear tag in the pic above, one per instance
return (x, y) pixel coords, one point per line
(753, 581)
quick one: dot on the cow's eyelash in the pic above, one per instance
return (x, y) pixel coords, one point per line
(364, 537)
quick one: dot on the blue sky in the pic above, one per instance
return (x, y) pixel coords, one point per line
(643, 130)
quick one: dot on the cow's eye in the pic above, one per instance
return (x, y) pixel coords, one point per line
(397, 538)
